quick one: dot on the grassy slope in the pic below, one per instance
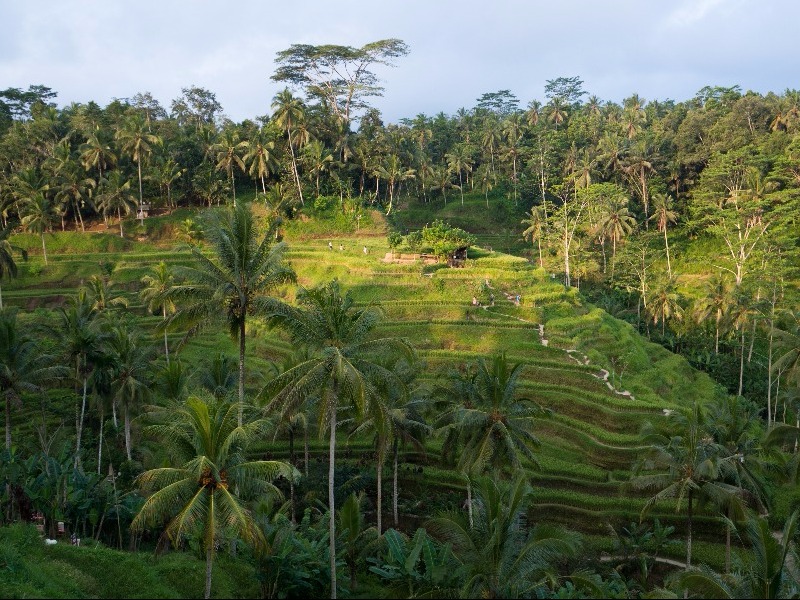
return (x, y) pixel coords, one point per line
(29, 569)
(591, 441)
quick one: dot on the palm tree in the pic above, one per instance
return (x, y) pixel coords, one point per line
(771, 571)
(205, 491)
(664, 303)
(393, 171)
(615, 223)
(441, 181)
(81, 341)
(289, 112)
(116, 197)
(342, 370)
(38, 216)
(686, 465)
(157, 285)
(8, 267)
(101, 296)
(236, 282)
(260, 157)
(137, 142)
(357, 537)
(502, 558)
(24, 366)
(734, 424)
(318, 159)
(166, 172)
(227, 151)
(717, 300)
(97, 151)
(486, 416)
(132, 375)
(460, 161)
(536, 220)
(664, 215)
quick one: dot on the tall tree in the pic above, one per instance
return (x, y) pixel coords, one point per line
(137, 142)
(8, 266)
(24, 366)
(235, 282)
(155, 292)
(38, 215)
(663, 216)
(227, 151)
(339, 76)
(289, 113)
(342, 370)
(204, 492)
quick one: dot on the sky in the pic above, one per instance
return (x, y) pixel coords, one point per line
(459, 49)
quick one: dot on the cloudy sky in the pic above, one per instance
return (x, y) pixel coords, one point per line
(98, 50)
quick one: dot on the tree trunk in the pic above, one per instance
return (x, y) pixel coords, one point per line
(741, 364)
(127, 416)
(539, 243)
(100, 444)
(379, 477)
(769, 373)
(394, 483)
(305, 448)
(166, 344)
(331, 498)
(80, 425)
(241, 370)
(1, 297)
(44, 249)
(294, 165)
(119, 218)
(233, 188)
(8, 422)
(291, 481)
(666, 245)
(469, 502)
(688, 540)
(209, 563)
(141, 213)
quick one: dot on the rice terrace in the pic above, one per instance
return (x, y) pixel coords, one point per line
(546, 349)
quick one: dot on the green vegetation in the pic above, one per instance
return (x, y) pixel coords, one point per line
(613, 348)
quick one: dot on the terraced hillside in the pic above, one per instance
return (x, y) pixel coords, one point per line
(601, 380)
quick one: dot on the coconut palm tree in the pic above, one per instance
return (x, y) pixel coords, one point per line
(132, 379)
(503, 559)
(97, 151)
(81, 341)
(735, 425)
(664, 303)
(260, 157)
(342, 369)
(442, 181)
(289, 113)
(38, 215)
(157, 285)
(8, 266)
(235, 282)
(686, 464)
(492, 424)
(227, 151)
(116, 197)
(536, 221)
(393, 172)
(317, 159)
(717, 300)
(204, 493)
(615, 223)
(769, 572)
(663, 216)
(24, 366)
(459, 161)
(137, 142)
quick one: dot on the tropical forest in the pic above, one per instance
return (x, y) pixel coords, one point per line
(532, 349)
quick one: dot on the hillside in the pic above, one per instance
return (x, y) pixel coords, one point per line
(601, 380)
